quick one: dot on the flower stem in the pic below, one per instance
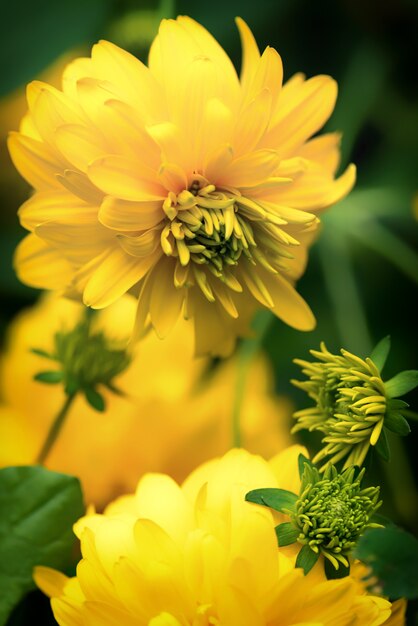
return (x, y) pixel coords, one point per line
(246, 353)
(55, 429)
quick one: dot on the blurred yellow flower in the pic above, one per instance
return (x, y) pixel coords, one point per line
(172, 419)
(200, 555)
(193, 189)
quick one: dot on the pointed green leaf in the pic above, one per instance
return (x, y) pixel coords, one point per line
(302, 460)
(95, 399)
(402, 383)
(382, 446)
(396, 422)
(277, 499)
(38, 509)
(331, 573)
(397, 405)
(43, 353)
(52, 378)
(392, 555)
(286, 534)
(380, 353)
(306, 559)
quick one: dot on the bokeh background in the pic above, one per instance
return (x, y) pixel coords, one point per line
(362, 277)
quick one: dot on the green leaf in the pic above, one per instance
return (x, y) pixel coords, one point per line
(286, 534)
(43, 353)
(392, 555)
(277, 499)
(302, 461)
(38, 510)
(331, 573)
(382, 446)
(396, 422)
(95, 399)
(306, 559)
(380, 353)
(402, 383)
(52, 378)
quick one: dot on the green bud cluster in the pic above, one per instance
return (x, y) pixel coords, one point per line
(353, 405)
(86, 359)
(332, 511)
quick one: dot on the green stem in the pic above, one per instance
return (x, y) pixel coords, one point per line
(55, 429)
(246, 353)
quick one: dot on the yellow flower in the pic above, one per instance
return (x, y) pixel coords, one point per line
(199, 555)
(193, 189)
(172, 419)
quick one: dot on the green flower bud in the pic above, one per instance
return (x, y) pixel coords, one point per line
(352, 403)
(332, 511)
(86, 359)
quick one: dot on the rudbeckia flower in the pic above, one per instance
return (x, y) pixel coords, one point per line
(170, 420)
(200, 554)
(181, 183)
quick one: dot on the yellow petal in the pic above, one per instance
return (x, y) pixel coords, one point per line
(39, 265)
(250, 54)
(114, 276)
(130, 216)
(302, 115)
(76, 241)
(79, 185)
(80, 145)
(250, 169)
(140, 246)
(35, 161)
(252, 123)
(324, 150)
(166, 300)
(125, 179)
(172, 177)
(47, 205)
(268, 75)
(289, 306)
(51, 582)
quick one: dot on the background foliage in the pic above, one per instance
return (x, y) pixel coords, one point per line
(363, 272)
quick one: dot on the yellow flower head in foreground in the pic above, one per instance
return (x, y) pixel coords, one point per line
(193, 189)
(199, 555)
(172, 419)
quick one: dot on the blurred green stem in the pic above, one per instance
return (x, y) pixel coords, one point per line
(246, 352)
(55, 429)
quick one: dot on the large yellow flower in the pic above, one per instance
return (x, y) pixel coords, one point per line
(172, 419)
(199, 555)
(179, 182)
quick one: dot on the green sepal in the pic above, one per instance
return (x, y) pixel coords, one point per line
(392, 556)
(95, 399)
(302, 461)
(396, 422)
(382, 446)
(71, 386)
(332, 574)
(401, 383)
(306, 559)
(380, 353)
(43, 353)
(286, 534)
(51, 378)
(278, 499)
(396, 405)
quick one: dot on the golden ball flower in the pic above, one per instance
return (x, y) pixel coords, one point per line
(170, 420)
(193, 189)
(199, 554)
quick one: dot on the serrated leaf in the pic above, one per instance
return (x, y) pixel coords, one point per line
(277, 499)
(302, 461)
(402, 383)
(396, 422)
(38, 510)
(286, 534)
(392, 555)
(332, 574)
(306, 559)
(95, 399)
(380, 352)
(51, 378)
(382, 446)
